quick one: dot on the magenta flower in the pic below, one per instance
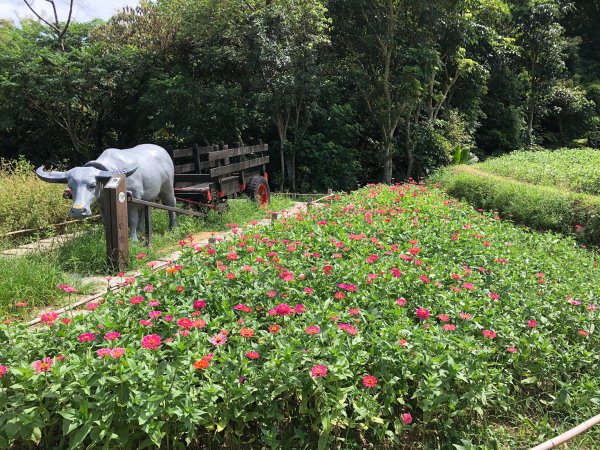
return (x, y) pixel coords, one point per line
(151, 342)
(43, 365)
(199, 304)
(318, 371)
(218, 339)
(422, 313)
(87, 337)
(283, 310)
(112, 335)
(3, 370)
(145, 323)
(406, 418)
(490, 334)
(49, 318)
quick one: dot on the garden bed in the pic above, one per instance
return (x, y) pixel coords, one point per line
(395, 318)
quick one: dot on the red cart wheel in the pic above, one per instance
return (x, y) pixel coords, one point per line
(258, 190)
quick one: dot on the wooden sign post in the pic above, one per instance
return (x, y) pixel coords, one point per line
(114, 197)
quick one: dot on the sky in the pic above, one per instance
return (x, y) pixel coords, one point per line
(83, 10)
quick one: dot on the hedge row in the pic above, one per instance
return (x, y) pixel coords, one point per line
(540, 207)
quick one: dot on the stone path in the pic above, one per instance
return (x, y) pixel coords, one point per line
(41, 245)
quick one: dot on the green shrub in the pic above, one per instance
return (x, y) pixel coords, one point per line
(540, 207)
(27, 202)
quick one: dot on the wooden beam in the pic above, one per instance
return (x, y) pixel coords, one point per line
(114, 195)
(167, 208)
(224, 170)
(188, 152)
(237, 152)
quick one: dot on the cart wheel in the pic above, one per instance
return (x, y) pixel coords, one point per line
(258, 190)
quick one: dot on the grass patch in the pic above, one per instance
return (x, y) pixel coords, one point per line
(575, 170)
(538, 206)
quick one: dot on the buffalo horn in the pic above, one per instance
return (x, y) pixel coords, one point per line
(106, 174)
(51, 177)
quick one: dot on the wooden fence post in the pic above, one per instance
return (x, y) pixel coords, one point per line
(115, 221)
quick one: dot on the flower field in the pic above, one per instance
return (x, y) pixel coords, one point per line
(393, 318)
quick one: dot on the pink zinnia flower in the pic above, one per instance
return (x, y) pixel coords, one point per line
(168, 318)
(145, 323)
(43, 365)
(425, 279)
(49, 317)
(151, 342)
(274, 329)
(583, 333)
(252, 355)
(218, 339)
(86, 337)
(490, 334)
(406, 418)
(511, 350)
(117, 352)
(532, 323)
(468, 286)
(369, 381)
(443, 317)
(3, 370)
(449, 327)
(199, 304)
(154, 314)
(313, 329)
(354, 311)
(422, 313)
(103, 352)
(112, 335)
(318, 371)
(401, 301)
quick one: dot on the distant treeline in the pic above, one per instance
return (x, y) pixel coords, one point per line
(344, 91)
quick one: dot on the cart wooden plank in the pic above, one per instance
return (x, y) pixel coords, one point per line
(224, 170)
(212, 156)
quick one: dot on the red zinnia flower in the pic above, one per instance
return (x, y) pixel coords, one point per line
(369, 381)
(86, 337)
(252, 355)
(201, 364)
(532, 323)
(274, 329)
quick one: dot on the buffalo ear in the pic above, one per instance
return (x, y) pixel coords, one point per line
(106, 174)
(51, 177)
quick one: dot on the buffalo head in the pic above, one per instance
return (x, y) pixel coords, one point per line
(85, 183)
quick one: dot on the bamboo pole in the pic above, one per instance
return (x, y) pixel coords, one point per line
(567, 436)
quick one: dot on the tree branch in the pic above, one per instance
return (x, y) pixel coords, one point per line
(54, 27)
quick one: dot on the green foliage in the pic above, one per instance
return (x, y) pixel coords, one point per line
(27, 202)
(385, 251)
(543, 207)
(569, 169)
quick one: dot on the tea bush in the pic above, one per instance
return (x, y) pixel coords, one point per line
(394, 318)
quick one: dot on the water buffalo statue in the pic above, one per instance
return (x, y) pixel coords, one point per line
(149, 170)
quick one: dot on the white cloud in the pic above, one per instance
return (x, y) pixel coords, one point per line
(83, 10)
